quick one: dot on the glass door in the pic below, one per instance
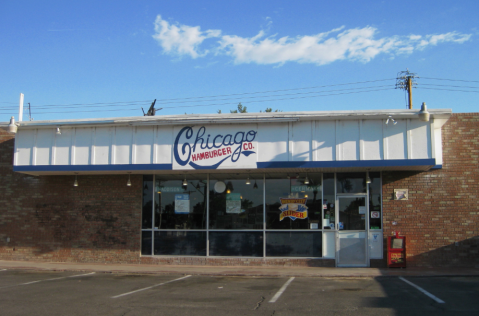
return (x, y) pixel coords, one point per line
(351, 235)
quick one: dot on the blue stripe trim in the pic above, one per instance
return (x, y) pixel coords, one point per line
(79, 168)
(437, 167)
(348, 163)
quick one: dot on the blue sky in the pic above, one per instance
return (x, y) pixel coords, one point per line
(98, 59)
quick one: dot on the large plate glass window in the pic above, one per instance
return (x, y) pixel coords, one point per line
(236, 203)
(294, 202)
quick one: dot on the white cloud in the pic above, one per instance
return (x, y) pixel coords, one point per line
(182, 39)
(358, 44)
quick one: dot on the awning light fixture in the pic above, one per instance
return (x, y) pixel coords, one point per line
(75, 183)
(128, 183)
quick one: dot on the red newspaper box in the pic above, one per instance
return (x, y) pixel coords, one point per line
(397, 251)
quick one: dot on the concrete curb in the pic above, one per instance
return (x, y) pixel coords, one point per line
(241, 271)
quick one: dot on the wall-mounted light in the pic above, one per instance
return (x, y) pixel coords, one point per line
(128, 183)
(75, 183)
(248, 182)
(390, 118)
(424, 114)
(59, 132)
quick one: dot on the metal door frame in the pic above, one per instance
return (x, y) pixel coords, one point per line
(366, 228)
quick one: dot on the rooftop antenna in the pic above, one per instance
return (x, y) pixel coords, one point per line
(405, 81)
(151, 110)
(29, 112)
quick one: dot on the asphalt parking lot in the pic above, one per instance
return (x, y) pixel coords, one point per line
(24, 292)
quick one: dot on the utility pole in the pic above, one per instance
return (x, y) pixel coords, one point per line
(405, 81)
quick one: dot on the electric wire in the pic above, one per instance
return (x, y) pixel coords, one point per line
(229, 103)
(253, 96)
(225, 99)
(421, 77)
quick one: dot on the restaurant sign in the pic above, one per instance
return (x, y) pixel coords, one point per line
(215, 147)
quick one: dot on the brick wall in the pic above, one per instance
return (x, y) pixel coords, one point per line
(441, 217)
(48, 219)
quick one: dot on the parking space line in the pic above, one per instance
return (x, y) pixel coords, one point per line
(281, 290)
(423, 291)
(33, 282)
(3, 269)
(150, 287)
(71, 276)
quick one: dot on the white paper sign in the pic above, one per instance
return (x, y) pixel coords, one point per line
(182, 203)
(362, 210)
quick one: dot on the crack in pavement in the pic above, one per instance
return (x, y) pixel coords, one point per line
(259, 303)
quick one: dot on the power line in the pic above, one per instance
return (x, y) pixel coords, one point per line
(447, 85)
(451, 90)
(216, 96)
(450, 79)
(229, 103)
(210, 100)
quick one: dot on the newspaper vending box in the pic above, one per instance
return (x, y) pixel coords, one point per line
(397, 251)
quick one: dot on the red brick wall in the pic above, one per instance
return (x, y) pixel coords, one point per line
(48, 219)
(441, 217)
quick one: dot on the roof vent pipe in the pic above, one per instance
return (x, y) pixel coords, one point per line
(424, 114)
(12, 128)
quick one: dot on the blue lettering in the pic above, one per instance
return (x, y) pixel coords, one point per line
(214, 141)
(229, 143)
(188, 135)
(253, 134)
(199, 137)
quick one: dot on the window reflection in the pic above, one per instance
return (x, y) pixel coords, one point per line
(329, 197)
(147, 212)
(351, 182)
(178, 206)
(293, 204)
(235, 204)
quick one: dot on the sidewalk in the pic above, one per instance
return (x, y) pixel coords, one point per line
(237, 270)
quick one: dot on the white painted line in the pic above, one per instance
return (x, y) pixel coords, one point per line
(281, 290)
(33, 282)
(150, 287)
(423, 291)
(71, 276)
(3, 270)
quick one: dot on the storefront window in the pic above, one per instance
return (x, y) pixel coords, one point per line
(329, 198)
(180, 243)
(298, 208)
(351, 182)
(146, 242)
(147, 213)
(234, 204)
(179, 206)
(292, 203)
(235, 244)
(294, 244)
(375, 214)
